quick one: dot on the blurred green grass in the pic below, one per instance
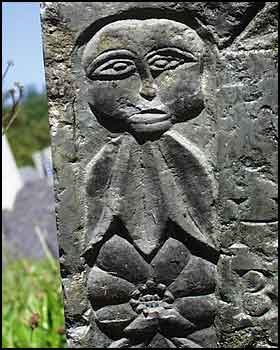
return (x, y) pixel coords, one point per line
(32, 311)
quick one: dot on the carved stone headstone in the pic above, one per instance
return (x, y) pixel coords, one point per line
(164, 138)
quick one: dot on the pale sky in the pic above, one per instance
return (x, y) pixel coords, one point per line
(22, 43)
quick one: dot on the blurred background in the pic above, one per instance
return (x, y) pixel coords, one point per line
(32, 311)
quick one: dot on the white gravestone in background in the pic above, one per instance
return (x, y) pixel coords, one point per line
(11, 180)
(43, 163)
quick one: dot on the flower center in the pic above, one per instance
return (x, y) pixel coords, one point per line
(150, 301)
(150, 296)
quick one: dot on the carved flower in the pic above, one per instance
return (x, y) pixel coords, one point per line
(168, 302)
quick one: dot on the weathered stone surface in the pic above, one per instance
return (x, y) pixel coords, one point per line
(164, 135)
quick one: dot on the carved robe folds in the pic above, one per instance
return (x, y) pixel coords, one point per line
(149, 213)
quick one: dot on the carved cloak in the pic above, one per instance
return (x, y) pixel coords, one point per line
(146, 186)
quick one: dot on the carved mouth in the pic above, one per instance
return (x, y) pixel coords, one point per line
(149, 116)
(152, 111)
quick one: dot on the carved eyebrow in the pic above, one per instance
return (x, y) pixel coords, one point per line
(105, 56)
(170, 51)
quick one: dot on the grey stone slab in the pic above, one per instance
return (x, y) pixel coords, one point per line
(29, 174)
(164, 138)
(34, 209)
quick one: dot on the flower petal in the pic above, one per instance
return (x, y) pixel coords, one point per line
(105, 289)
(139, 346)
(170, 261)
(122, 343)
(117, 255)
(159, 341)
(142, 327)
(200, 310)
(172, 324)
(197, 278)
(185, 343)
(206, 337)
(114, 318)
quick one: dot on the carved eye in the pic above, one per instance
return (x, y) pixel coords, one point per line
(169, 58)
(160, 63)
(113, 69)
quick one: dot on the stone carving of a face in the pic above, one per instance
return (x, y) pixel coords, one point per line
(144, 76)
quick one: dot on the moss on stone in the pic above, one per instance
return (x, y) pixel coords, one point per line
(243, 339)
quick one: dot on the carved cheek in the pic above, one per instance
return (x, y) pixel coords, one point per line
(181, 91)
(102, 97)
(114, 97)
(189, 84)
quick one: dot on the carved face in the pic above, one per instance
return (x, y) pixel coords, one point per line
(144, 75)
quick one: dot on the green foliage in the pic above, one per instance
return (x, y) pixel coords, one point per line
(33, 315)
(30, 130)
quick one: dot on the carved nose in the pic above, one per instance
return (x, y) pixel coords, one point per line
(148, 90)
